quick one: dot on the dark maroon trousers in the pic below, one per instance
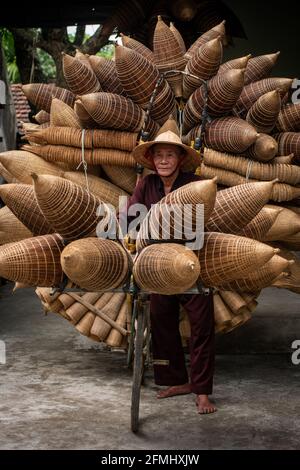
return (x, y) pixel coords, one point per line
(168, 355)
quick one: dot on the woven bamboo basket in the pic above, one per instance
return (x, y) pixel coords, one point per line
(73, 155)
(41, 94)
(61, 114)
(84, 58)
(292, 242)
(105, 71)
(223, 92)
(222, 314)
(260, 67)
(264, 113)
(101, 328)
(289, 118)
(9, 178)
(166, 268)
(21, 201)
(11, 228)
(164, 104)
(104, 190)
(215, 32)
(137, 46)
(234, 301)
(77, 310)
(34, 261)
(113, 111)
(168, 55)
(287, 223)
(225, 257)
(95, 264)
(69, 208)
(264, 149)
(178, 37)
(288, 142)
(115, 338)
(261, 223)
(238, 63)
(280, 192)
(21, 164)
(204, 64)
(41, 117)
(284, 159)
(86, 121)
(262, 277)
(235, 207)
(81, 79)
(230, 134)
(85, 324)
(90, 138)
(292, 281)
(255, 90)
(263, 171)
(123, 177)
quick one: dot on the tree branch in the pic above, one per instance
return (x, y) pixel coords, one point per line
(95, 42)
(79, 36)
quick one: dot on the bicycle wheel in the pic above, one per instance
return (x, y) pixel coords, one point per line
(138, 365)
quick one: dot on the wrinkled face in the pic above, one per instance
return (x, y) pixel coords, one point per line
(166, 158)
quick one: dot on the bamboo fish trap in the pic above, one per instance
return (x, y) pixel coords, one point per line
(41, 94)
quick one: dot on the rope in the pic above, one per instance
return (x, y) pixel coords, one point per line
(249, 168)
(83, 162)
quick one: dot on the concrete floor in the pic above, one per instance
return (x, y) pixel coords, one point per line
(60, 391)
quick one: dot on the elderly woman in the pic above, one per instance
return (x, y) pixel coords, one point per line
(172, 163)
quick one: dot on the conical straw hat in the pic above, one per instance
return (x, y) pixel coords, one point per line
(96, 264)
(166, 268)
(191, 159)
(169, 125)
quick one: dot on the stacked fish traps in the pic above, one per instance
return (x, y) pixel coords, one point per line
(251, 144)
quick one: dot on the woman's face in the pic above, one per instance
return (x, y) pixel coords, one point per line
(166, 158)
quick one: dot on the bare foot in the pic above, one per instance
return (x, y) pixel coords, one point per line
(204, 406)
(183, 389)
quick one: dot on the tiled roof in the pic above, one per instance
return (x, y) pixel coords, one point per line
(21, 105)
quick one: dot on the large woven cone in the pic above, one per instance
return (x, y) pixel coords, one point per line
(222, 314)
(101, 328)
(81, 79)
(238, 63)
(225, 257)
(137, 46)
(21, 164)
(166, 268)
(164, 104)
(223, 92)
(263, 114)
(204, 64)
(234, 301)
(168, 55)
(284, 159)
(9, 178)
(11, 228)
(70, 209)
(292, 281)
(243, 166)
(90, 138)
(137, 75)
(73, 155)
(292, 242)
(113, 111)
(41, 94)
(288, 142)
(230, 134)
(287, 223)
(215, 32)
(280, 192)
(86, 121)
(95, 264)
(170, 209)
(105, 71)
(115, 338)
(84, 58)
(61, 114)
(289, 118)
(178, 38)
(261, 277)
(264, 149)
(34, 261)
(123, 177)
(104, 190)
(77, 310)
(261, 223)
(41, 117)
(253, 91)
(260, 67)
(235, 207)
(21, 201)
